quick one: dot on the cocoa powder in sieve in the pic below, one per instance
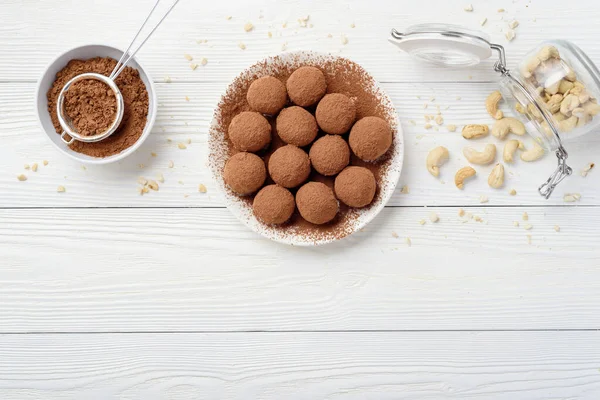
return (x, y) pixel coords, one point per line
(91, 105)
(135, 98)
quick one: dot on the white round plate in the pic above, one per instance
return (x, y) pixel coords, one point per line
(241, 208)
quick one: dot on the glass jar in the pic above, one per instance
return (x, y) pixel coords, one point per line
(553, 91)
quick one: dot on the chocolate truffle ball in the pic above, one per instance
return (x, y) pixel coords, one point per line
(329, 155)
(370, 138)
(296, 126)
(316, 203)
(267, 95)
(244, 173)
(289, 166)
(336, 113)
(249, 131)
(273, 205)
(306, 86)
(355, 186)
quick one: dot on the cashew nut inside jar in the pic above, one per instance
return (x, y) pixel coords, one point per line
(553, 90)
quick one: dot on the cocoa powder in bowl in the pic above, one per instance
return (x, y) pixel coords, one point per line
(244, 173)
(289, 166)
(355, 186)
(316, 203)
(267, 95)
(296, 126)
(329, 155)
(135, 99)
(249, 131)
(370, 138)
(91, 105)
(336, 113)
(306, 86)
(273, 205)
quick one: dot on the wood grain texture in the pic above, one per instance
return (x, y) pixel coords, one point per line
(104, 270)
(27, 26)
(180, 120)
(302, 366)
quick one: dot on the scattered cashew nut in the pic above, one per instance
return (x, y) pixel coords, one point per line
(491, 105)
(507, 125)
(435, 159)
(533, 154)
(568, 124)
(474, 131)
(496, 178)
(463, 174)
(509, 149)
(487, 156)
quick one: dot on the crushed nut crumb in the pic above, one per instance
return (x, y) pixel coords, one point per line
(395, 235)
(188, 57)
(171, 164)
(405, 189)
(26, 166)
(242, 46)
(201, 188)
(167, 79)
(228, 17)
(422, 222)
(408, 241)
(204, 61)
(513, 24)
(510, 35)
(571, 197)
(61, 189)
(501, 10)
(181, 146)
(516, 223)
(269, 34)
(153, 154)
(527, 227)
(45, 162)
(248, 27)
(461, 212)
(451, 128)
(557, 228)
(153, 185)
(433, 217)
(160, 177)
(525, 216)
(468, 8)
(352, 25)
(439, 120)
(483, 21)
(193, 66)
(21, 177)
(512, 192)
(586, 170)
(483, 199)
(142, 181)
(303, 21)
(413, 122)
(427, 126)
(344, 40)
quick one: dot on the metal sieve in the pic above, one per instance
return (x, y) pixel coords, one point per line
(63, 118)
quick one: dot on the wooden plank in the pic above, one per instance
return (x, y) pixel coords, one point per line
(180, 120)
(348, 365)
(30, 39)
(105, 270)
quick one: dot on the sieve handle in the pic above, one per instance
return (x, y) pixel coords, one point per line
(62, 136)
(126, 57)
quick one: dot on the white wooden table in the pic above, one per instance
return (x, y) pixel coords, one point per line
(108, 295)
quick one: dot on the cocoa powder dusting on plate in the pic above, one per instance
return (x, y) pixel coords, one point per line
(135, 98)
(343, 76)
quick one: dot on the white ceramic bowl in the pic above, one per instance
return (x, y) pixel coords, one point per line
(83, 53)
(243, 211)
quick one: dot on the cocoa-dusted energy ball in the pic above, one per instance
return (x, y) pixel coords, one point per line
(249, 131)
(370, 138)
(296, 126)
(245, 173)
(316, 203)
(267, 95)
(355, 186)
(336, 113)
(273, 205)
(289, 166)
(329, 155)
(306, 86)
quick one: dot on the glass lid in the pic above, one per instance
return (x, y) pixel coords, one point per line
(444, 44)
